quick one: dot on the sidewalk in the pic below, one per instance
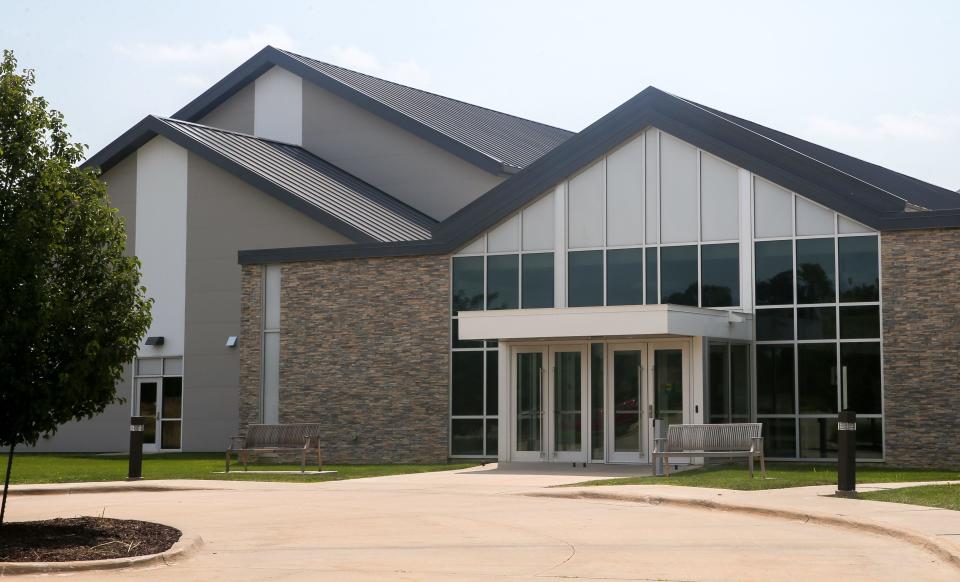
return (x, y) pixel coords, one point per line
(934, 529)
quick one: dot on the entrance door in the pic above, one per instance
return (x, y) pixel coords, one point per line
(669, 380)
(549, 404)
(628, 404)
(567, 428)
(160, 402)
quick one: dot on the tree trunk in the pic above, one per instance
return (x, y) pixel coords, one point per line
(6, 484)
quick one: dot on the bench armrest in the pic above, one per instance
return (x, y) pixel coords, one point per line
(311, 442)
(756, 444)
(659, 444)
(237, 439)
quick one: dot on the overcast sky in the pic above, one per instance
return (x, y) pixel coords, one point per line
(878, 80)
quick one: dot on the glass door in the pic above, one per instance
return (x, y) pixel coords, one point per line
(529, 404)
(567, 405)
(146, 406)
(668, 379)
(628, 403)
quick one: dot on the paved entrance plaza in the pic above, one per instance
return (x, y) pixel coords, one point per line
(482, 524)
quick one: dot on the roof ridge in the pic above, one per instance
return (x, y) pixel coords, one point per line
(454, 99)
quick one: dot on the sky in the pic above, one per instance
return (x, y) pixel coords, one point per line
(878, 80)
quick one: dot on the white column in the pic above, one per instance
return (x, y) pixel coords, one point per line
(746, 240)
(278, 106)
(504, 418)
(560, 247)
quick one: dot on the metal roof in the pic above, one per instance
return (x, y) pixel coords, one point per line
(352, 207)
(875, 196)
(493, 141)
(512, 140)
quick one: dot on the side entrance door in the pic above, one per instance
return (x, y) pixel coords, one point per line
(549, 396)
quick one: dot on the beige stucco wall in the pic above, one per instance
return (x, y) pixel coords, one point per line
(235, 114)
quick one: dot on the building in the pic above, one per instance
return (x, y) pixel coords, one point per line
(431, 279)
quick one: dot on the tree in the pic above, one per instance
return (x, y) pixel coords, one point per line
(73, 310)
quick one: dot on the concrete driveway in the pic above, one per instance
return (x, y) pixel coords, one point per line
(475, 525)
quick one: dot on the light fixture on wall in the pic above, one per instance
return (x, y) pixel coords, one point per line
(232, 341)
(155, 340)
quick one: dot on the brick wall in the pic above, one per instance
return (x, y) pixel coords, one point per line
(921, 327)
(364, 351)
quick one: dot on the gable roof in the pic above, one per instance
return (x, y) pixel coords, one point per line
(496, 142)
(875, 196)
(333, 197)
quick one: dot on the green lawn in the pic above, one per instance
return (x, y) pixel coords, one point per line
(51, 468)
(945, 496)
(779, 475)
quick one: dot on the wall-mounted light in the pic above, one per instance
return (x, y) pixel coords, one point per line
(155, 340)
(232, 341)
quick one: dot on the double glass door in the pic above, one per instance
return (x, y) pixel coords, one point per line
(550, 404)
(645, 382)
(160, 402)
(551, 397)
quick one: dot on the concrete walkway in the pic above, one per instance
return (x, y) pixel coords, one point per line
(482, 524)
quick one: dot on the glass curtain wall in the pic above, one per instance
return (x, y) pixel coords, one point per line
(818, 347)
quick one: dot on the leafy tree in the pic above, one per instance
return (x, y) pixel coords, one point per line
(73, 310)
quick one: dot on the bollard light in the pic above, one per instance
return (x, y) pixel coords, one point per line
(847, 455)
(135, 471)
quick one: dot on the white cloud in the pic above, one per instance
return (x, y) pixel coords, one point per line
(408, 72)
(228, 50)
(915, 127)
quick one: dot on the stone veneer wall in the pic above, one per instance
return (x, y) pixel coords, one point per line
(364, 350)
(921, 347)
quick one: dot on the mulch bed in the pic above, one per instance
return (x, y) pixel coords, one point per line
(83, 538)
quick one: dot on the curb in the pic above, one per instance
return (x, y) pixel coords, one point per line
(73, 490)
(185, 547)
(946, 552)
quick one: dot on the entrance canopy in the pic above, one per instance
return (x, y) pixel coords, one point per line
(577, 322)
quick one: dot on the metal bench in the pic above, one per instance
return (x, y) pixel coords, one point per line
(712, 440)
(302, 437)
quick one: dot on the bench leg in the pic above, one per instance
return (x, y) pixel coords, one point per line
(763, 467)
(319, 460)
(750, 464)
(227, 470)
(666, 464)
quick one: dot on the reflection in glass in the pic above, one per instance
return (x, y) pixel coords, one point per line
(492, 382)
(818, 438)
(779, 437)
(567, 402)
(585, 278)
(859, 269)
(503, 282)
(869, 438)
(815, 323)
(625, 277)
(862, 363)
(148, 410)
(537, 280)
(860, 322)
(596, 402)
(718, 400)
(651, 270)
(775, 379)
(774, 324)
(774, 272)
(626, 401)
(817, 378)
(467, 383)
(169, 434)
(172, 397)
(491, 424)
(740, 383)
(678, 277)
(720, 271)
(668, 386)
(467, 284)
(529, 400)
(815, 266)
(466, 436)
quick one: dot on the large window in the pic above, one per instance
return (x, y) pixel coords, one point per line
(818, 340)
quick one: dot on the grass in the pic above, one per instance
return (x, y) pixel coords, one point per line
(59, 468)
(779, 475)
(944, 496)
